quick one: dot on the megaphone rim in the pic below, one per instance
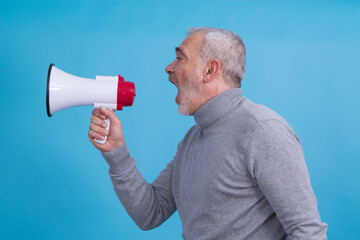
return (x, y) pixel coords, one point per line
(47, 91)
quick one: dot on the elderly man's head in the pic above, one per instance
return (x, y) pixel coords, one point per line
(208, 62)
(228, 48)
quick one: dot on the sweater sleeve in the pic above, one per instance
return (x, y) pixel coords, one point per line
(278, 166)
(149, 205)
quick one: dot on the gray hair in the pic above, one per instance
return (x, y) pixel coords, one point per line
(228, 48)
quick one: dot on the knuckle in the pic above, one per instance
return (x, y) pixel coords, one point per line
(96, 112)
(95, 120)
(94, 135)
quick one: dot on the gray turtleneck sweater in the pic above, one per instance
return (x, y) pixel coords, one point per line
(239, 173)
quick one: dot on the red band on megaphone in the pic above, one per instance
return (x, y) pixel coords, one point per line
(125, 93)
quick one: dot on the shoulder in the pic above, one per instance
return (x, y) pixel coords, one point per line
(258, 112)
(268, 127)
(248, 115)
(251, 120)
(257, 116)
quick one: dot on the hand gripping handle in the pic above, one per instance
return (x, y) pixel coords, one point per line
(109, 106)
(107, 128)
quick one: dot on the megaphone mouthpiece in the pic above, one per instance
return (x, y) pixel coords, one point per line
(126, 93)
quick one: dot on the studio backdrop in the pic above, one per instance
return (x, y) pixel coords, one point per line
(302, 61)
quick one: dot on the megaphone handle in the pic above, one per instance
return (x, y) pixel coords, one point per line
(107, 128)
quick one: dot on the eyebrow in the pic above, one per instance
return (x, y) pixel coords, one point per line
(177, 49)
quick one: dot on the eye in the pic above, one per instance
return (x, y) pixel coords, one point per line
(178, 58)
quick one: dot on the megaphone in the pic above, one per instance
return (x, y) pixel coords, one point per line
(65, 90)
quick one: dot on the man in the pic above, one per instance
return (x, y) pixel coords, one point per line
(239, 173)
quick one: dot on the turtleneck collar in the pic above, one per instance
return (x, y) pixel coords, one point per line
(218, 106)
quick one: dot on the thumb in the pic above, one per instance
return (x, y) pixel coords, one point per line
(109, 114)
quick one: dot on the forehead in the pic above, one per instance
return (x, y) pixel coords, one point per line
(191, 44)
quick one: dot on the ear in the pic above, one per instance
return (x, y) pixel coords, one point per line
(211, 70)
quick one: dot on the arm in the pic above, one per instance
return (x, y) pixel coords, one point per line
(149, 205)
(277, 164)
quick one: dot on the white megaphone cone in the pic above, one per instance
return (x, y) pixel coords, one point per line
(65, 90)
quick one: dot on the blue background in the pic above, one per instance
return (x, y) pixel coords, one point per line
(302, 61)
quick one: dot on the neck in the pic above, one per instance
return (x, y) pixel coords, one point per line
(210, 91)
(217, 106)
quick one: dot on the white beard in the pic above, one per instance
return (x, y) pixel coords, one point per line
(189, 91)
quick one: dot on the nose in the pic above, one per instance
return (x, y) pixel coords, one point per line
(170, 68)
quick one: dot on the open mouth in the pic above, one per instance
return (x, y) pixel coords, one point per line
(174, 81)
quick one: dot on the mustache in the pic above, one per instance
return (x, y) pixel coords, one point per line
(173, 79)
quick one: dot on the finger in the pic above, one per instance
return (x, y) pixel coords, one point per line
(99, 130)
(98, 121)
(109, 114)
(94, 135)
(96, 112)
(90, 135)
